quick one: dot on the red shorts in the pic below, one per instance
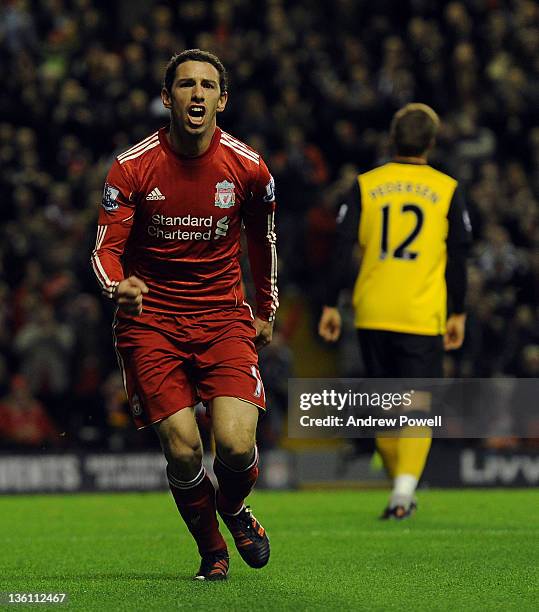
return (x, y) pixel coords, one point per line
(172, 362)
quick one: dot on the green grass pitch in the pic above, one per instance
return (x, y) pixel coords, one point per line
(464, 550)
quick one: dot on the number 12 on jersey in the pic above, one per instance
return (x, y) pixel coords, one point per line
(402, 251)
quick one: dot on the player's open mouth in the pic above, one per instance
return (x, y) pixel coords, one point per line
(195, 114)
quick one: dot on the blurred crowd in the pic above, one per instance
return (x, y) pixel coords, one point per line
(313, 88)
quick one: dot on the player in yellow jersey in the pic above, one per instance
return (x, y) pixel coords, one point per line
(413, 231)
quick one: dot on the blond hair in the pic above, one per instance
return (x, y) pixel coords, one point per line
(414, 128)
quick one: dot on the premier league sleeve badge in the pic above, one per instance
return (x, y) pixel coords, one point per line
(110, 195)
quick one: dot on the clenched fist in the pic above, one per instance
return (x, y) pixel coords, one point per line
(330, 324)
(264, 332)
(128, 295)
(454, 336)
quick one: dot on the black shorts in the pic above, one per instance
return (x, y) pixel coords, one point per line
(396, 355)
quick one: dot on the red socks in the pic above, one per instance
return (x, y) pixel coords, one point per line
(195, 500)
(234, 485)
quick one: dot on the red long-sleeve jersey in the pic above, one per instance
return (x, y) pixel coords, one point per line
(175, 222)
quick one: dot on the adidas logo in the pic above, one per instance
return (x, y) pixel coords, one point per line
(155, 194)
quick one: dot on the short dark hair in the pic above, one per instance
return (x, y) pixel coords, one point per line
(413, 129)
(195, 55)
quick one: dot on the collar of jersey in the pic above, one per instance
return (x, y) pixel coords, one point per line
(408, 163)
(190, 161)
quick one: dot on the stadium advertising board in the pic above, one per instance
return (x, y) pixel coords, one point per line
(95, 472)
(450, 466)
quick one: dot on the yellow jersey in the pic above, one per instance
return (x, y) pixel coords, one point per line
(402, 234)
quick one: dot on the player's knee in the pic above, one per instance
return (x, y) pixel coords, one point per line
(237, 453)
(184, 454)
(181, 454)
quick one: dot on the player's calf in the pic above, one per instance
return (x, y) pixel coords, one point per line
(235, 484)
(249, 536)
(195, 500)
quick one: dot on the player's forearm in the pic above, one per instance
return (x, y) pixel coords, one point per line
(108, 270)
(106, 256)
(459, 240)
(262, 252)
(346, 234)
(263, 263)
(333, 290)
(457, 280)
(339, 271)
(340, 267)
(266, 291)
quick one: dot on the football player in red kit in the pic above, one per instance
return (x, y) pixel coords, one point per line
(167, 252)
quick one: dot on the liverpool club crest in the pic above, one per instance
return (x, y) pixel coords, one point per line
(136, 406)
(224, 194)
